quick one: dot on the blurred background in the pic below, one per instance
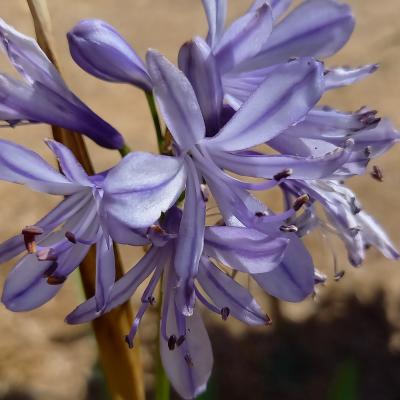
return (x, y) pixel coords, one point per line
(345, 344)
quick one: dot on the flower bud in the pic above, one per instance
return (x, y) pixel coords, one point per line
(101, 51)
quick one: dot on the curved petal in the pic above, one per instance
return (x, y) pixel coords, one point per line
(100, 50)
(293, 279)
(227, 293)
(29, 59)
(141, 187)
(68, 163)
(26, 285)
(278, 6)
(267, 166)
(105, 272)
(189, 365)
(122, 290)
(244, 249)
(283, 99)
(190, 241)
(23, 166)
(39, 103)
(177, 101)
(343, 76)
(244, 38)
(198, 63)
(317, 28)
(216, 14)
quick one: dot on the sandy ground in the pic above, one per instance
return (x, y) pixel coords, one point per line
(40, 356)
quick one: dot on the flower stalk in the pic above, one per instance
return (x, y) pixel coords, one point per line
(125, 382)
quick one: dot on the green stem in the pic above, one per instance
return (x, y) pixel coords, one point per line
(156, 120)
(124, 151)
(162, 391)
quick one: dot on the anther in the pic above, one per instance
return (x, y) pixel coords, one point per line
(205, 193)
(188, 360)
(283, 174)
(339, 275)
(268, 320)
(225, 311)
(355, 206)
(71, 237)
(29, 233)
(46, 254)
(300, 201)
(377, 173)
(172, 342)
(354, 231)
(55, 280)
(129, 341)
(50, 271)
(180, 340)
(368, 151)
(151, 300)
(260, 214)
(288, 228)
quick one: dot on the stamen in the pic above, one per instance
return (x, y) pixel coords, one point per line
(30, 232)
(188, 360)
(205, 192)
(377, 173)
(283, 174)
(56, 280)
(71, 237)
(46, 254)
(260, 214)
(368, 151)
(268, 320)
(151, 300)
(225, 313)
(300, 201)
(180, 340)
(129, 341)
(339, 275)
(50, 271)
(172, 342)
(354, 231)
(288, 228)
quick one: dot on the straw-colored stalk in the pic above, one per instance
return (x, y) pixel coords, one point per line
(122, 366)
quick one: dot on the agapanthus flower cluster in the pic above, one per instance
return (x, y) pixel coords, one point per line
(246, 87)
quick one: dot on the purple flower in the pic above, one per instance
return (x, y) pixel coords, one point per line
(280, 102)
(43, 95)
(248, 50)
(101, 51)
(185, 347)
(58, 242)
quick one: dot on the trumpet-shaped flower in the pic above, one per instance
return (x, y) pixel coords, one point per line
(58, 242)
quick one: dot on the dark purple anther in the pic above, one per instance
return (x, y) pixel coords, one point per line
(180, 340)
(288, 228)
(283, 174)
(225, 313)
(172, 342)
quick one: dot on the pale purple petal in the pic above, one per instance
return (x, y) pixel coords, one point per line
(100, 50)
(343, 76)
(225, 292)
(141, 187)
(216, 14)
(317, 28)
(38, 103)
(26, 285)
(190, 240)
(105, 273)
(122, 290)
(68, 163)
(177, 101)
(198, 63)
(11, 248)
(29, 59)
(244, 38)
(267, 166)
(244, 249)
(23, 166)
(189, 365)
(374, 235)
(293, 279)
(278, 6)
(283, 99)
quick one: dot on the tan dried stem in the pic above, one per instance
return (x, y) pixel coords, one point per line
(122, 366)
